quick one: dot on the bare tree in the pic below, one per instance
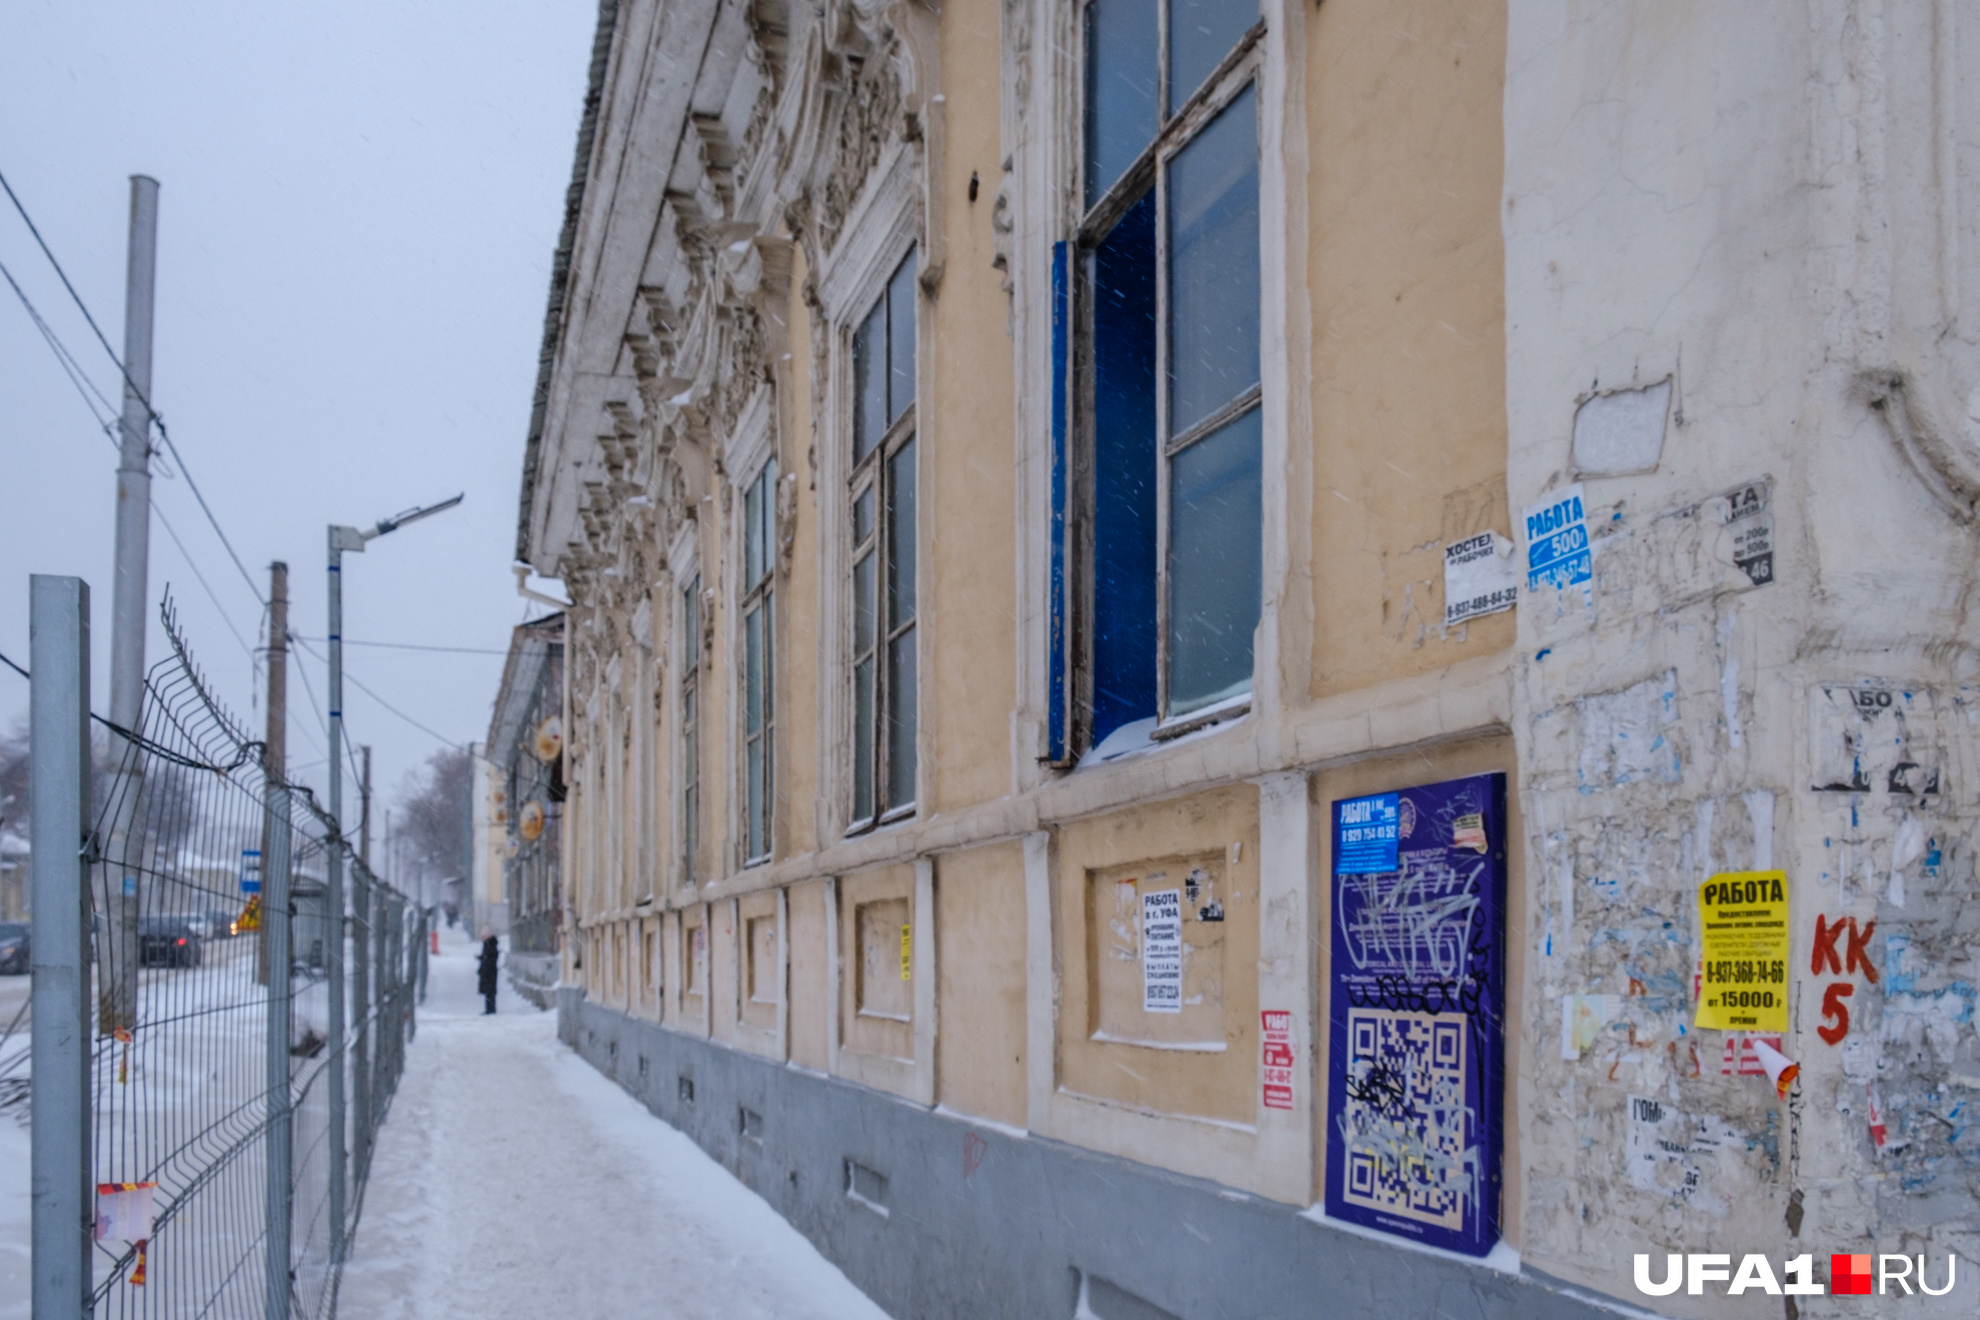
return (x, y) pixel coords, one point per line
(14, 779)
(433, 805)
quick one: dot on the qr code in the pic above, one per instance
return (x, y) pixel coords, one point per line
(1404, 1122)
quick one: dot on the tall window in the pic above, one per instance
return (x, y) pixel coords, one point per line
(1169, 377)
(883, 559)
(759, 648)
(691, 729)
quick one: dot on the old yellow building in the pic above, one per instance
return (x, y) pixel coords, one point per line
(1007, 462)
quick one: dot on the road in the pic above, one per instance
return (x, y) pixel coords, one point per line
(512, 1180)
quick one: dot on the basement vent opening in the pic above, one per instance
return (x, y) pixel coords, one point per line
(1101, 1300)
(687, 1089)
(867, 1187)
(750, 1123)
(642, 1065)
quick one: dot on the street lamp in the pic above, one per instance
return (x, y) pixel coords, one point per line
(343, 539)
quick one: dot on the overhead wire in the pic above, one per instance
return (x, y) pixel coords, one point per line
(166, 523)
(86, 388)
(357, 683)
(70, 367)
(416, 646)
(150, 412)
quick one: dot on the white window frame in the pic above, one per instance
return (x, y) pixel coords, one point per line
(688, 655)
(751, 447)
(883, 227)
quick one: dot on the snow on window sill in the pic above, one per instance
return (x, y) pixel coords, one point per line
(1145, 735)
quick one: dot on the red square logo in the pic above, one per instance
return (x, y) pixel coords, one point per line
(1850, 1274)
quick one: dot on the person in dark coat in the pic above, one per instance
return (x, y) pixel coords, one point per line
(491, 956)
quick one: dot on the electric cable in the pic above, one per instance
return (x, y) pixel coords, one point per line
(416, 646)
(354, 681)
(151, 413)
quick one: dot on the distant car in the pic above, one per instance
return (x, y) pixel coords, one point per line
(222, 921)
(168, 942)
(14, 952)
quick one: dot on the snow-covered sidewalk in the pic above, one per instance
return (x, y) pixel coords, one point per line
(512, 1180)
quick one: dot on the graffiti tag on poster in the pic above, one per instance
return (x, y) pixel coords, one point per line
(1416, 1019)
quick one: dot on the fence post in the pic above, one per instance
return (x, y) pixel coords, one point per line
(361, 1036)
(381, 907)
(58, 732)
(281, 1167)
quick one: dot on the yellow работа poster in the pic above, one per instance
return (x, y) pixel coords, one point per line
(1743, 918)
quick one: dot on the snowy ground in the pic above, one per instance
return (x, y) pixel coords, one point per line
(512, 1180)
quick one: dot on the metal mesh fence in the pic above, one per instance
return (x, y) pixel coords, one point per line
(212, 1091)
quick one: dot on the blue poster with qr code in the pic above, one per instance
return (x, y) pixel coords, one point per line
(1416, 1019)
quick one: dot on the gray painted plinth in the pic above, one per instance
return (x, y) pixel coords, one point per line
(1004, 1228)
(534, 976)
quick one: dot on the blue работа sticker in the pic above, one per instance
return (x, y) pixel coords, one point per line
(1365, 834)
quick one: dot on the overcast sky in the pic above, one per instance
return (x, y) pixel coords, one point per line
(359, 207)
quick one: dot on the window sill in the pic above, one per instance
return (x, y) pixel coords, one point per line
(897, 816)
(1148, 735)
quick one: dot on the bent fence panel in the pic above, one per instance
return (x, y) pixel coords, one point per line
(184, 1096)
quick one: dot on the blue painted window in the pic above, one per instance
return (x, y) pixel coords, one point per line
(1169, 384)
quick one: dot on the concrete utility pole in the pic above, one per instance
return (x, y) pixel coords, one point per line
(58, 811)
(279, 1205)
(340, 540)
(118, 894)
(275, 756)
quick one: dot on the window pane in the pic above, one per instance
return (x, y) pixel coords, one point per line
(863, 516)
(753, 670)
(900, 536)
(900, 339)
(755, 842)
(1201, 33)
(1213, 272)
(1122, 59)
(768, 681)
(752, 534)
(1124, 472)
(766, 520)
(1215, 544)
(863, 675)
(869, 381)
(863, 602)
(900, 719)
(691, 622)
(691, 833)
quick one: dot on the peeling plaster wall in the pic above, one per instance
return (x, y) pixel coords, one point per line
(1763, 205)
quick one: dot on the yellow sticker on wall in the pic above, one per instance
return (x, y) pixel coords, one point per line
(907, 951)
(1743, 918)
